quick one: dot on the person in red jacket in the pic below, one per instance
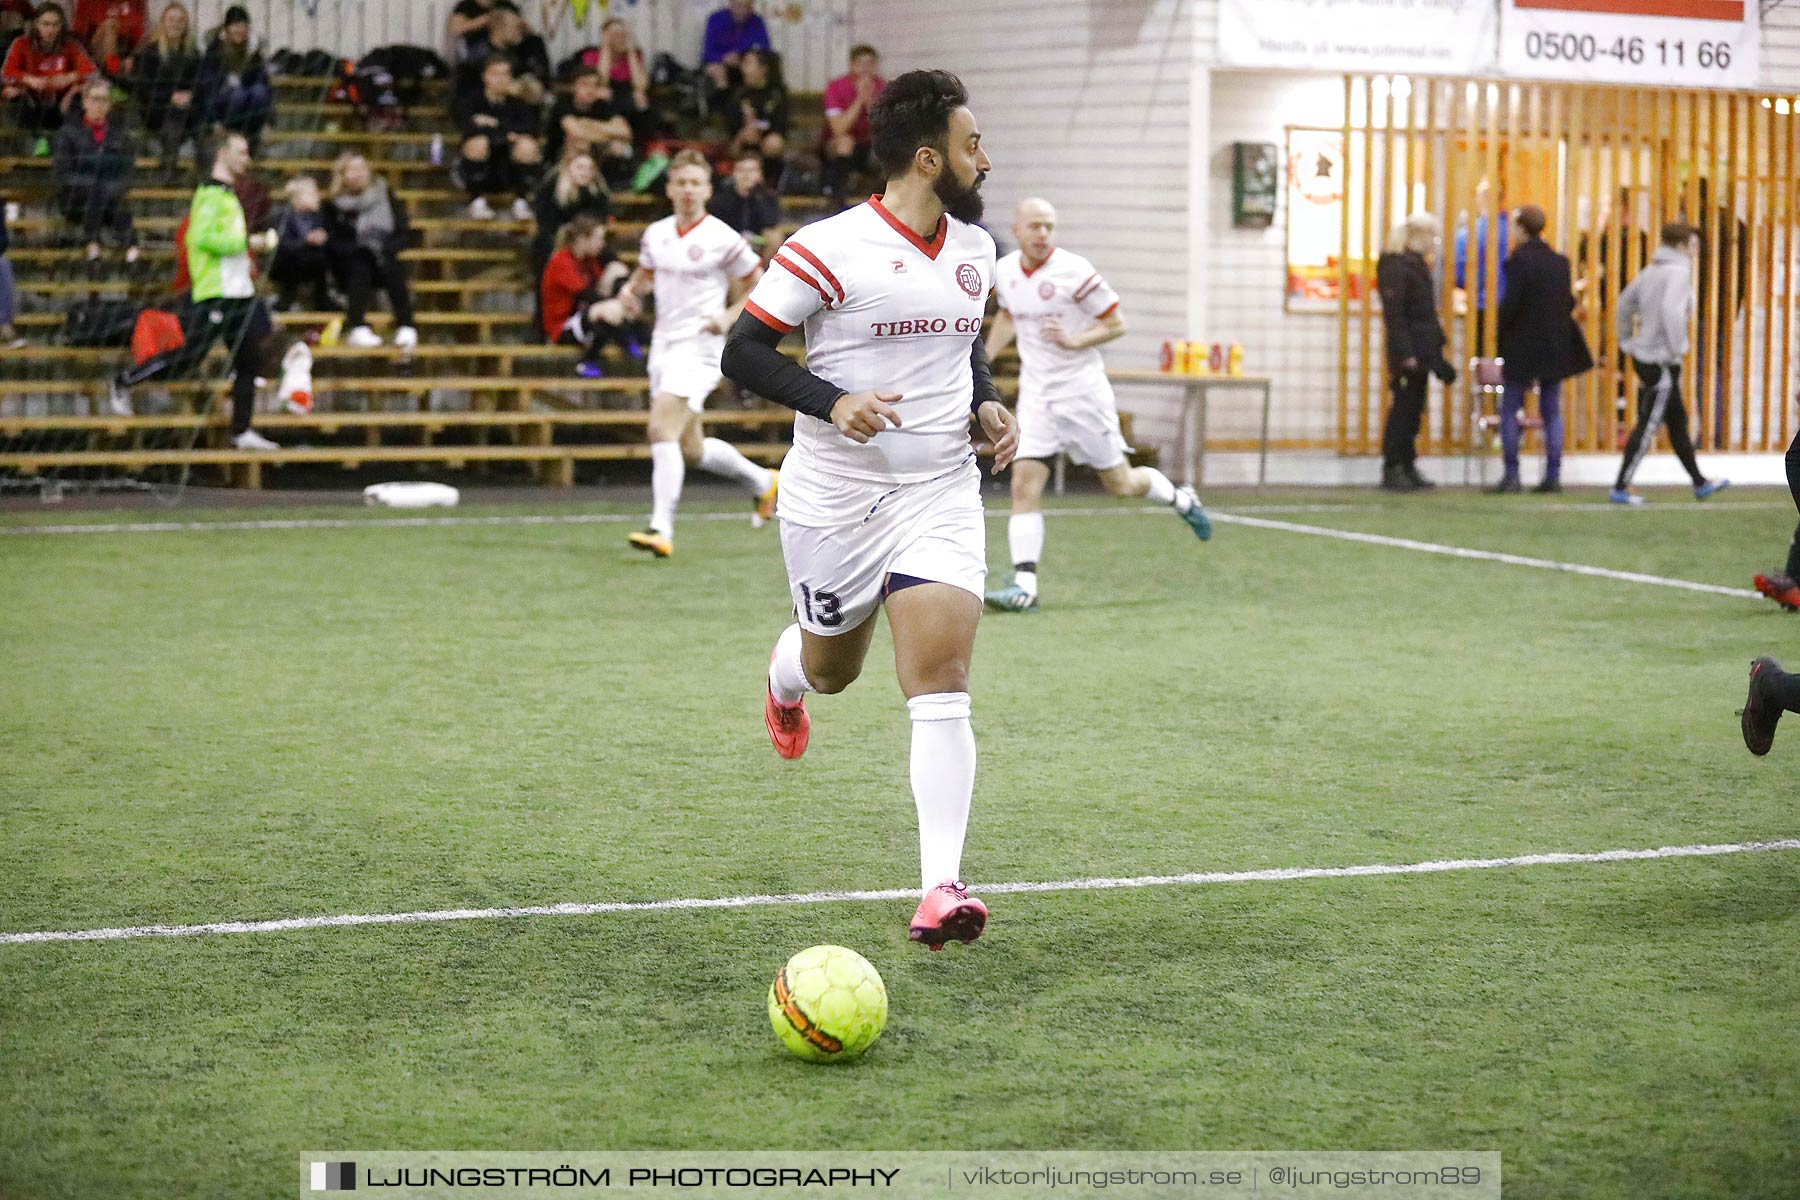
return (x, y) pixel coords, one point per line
(41, 72)
(112, 29)
(579, 293)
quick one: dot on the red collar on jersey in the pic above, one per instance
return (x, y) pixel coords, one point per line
(928, 249)
(680, 232)
(1029, 271)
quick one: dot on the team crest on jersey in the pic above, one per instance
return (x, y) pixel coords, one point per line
(696, 253)
(1046, 290)
(969, 279)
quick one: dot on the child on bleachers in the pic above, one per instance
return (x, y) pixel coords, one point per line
(95, 157)
(579, 294)
(500, 150)
(165, 72)
(43, 67)
(511, 38)
(301, 260)
(756, 113)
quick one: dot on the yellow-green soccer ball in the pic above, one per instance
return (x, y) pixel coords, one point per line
(828, 1004)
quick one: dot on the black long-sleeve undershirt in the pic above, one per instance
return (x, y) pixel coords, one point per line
(753, 360)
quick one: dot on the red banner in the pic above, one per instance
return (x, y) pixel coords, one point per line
(1693, 10)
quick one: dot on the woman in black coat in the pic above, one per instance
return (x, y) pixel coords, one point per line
(1415, 344)
(1539, 344)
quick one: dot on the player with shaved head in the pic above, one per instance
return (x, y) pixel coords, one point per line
(1062, 311)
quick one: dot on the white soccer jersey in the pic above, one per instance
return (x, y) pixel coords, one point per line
(1067, 287)
(884, 310)
(694, 268)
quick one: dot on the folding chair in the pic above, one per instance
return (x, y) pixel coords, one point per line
(1487, 387)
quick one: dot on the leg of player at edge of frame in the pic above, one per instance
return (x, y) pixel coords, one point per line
(934, 639)
(1025, 528)
(677, 441)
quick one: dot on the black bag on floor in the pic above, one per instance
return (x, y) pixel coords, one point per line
(100, 322)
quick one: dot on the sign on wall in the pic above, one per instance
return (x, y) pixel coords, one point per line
(1315, 221)
(1673, 43)
(1426, 37)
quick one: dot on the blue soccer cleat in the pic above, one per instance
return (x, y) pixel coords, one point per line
(1196, 516)
(1621, 496)
(1711, 487)
(1012, 598)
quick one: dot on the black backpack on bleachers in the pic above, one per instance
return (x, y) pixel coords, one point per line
(99, 322)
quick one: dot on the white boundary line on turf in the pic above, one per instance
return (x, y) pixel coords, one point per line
(1275, 875)
(1514, 560)
(290, 523)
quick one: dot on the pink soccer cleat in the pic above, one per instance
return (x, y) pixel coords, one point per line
(788, 724)
(948, 913)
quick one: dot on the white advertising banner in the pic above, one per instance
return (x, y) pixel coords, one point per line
(1425, 37)
(1666, 43)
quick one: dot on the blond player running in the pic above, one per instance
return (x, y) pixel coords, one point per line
(881, 494)
(701, 269)
(1062, 311)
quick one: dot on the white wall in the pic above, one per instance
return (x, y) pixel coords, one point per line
(1085, 102)
(811, 36)
(1247, 268)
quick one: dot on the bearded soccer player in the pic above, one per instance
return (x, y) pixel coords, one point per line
(1062, 312)
(700, 269)
(880, 500)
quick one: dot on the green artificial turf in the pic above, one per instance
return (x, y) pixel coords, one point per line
(226, 725)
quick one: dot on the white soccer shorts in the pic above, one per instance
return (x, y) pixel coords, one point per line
(685, 369)
(931, 530)
(1086, 430)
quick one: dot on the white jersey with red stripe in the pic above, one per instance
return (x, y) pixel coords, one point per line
(1064, 286)
(884, 310)
(694, 267)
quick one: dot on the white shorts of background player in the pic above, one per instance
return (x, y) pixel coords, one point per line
(1084, 428)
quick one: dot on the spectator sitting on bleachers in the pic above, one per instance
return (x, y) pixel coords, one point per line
(579, 294)
(574, 190)
(368, 230)
(165, 70)
(112, 30)
(233, 88)
(511, 38)
(625, 81)
(747, 204)
(730, 33)
(845, 142)
(40, 74)
(756, 113)
(302, 261)
(467, 28)
(15, 15)
(500, 150)
(95, 156)
(584, 122)
(9, 337)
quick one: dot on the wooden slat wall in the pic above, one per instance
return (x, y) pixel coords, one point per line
(1609, 165)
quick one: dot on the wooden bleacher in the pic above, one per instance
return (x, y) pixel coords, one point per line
(480, 389)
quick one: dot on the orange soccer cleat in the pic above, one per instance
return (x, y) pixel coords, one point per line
(948, 913)
(1780, 589)
(765, 503)
(656, 543)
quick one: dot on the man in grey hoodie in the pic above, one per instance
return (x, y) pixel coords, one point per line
(1653, 315)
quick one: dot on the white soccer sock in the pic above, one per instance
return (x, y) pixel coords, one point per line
(943, 780)
(1025, 536)
(1162, 491)
(667, 471)
(722, 458)
(787, 668)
